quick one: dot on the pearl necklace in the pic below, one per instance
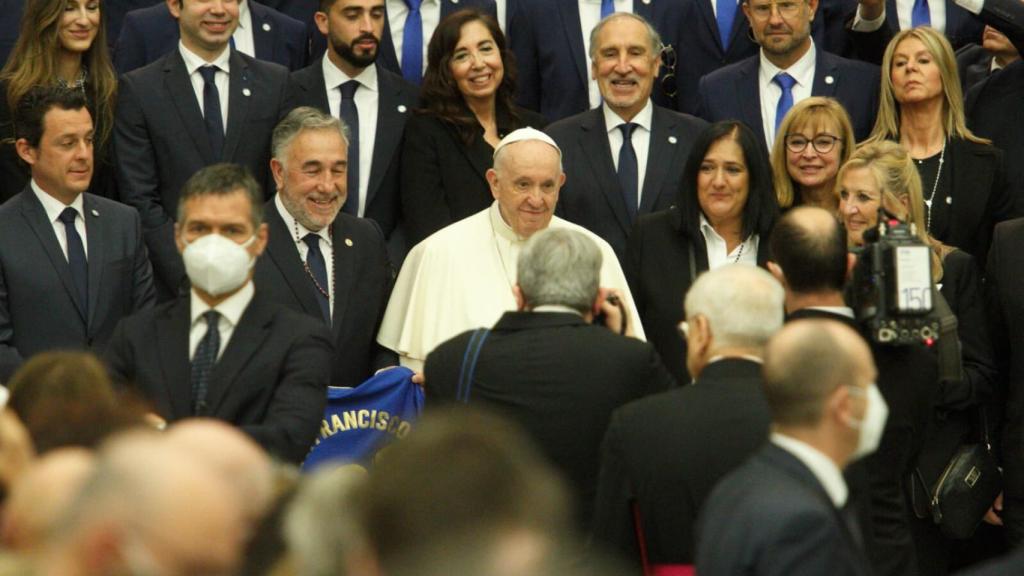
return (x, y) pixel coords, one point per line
(935, 187)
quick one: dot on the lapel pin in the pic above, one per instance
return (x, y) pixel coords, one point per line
(455, 1)
(647, 1)
(949, 199)
(402, 108)
(830, 80)
(266, 27)
(246, 92)
(348, 242)
(672, 140)
(96, 212)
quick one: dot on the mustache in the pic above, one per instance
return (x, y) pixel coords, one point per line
(363, 37)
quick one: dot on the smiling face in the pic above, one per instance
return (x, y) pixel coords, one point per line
(723, 182)
(915, 75)
(859, 200)
(79, 25)
(525, 181)
(312, 178)
(810, 168)
(62, 163)
(624, 65)
(476, 64)
(206, 25)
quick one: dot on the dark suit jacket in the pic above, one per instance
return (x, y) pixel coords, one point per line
(733, 93)
(772, 517)
(994, 112)
(149, 33)
(271, 379)
(666, 452)
(592, 196)
(363, 279)
(10, 23)
(443, 181)
(974, 64)
(160, 141)
(568, 377)
(962, 27)
(657, 267)
(114, 12)
(386, 56)
(38, 307)
(397, 98)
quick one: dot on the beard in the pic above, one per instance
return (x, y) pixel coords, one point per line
(348, 52)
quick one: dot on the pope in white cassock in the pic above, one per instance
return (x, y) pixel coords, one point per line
(461, 277)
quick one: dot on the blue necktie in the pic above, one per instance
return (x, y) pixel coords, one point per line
(76, 259)
(725, 13)
(607, 8)
(318, 272)
(786, 82)
(920, 15)
(350, 116)
(412, 43)
(628, 172)
(211, 110)
(203, 362)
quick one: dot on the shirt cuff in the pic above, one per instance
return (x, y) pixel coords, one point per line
(862, 25)
(972, 6)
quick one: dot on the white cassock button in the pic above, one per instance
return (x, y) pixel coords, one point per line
(830, 80)
(246, 92)
(266, 27)
(672, 140)
(402, 108)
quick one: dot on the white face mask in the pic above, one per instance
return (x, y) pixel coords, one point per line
(873, 425)
(217, 265)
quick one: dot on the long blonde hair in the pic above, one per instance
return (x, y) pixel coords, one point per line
(813, 111)
(887, 122)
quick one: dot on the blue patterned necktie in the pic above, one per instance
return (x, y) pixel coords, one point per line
(725, 13)
(607, 8)
(920, 15)
(786, 82)
(203, 362)
(412, 43)
(629, 174)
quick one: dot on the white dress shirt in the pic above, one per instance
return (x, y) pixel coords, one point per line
(230, 310)
(53, 209)
(243, 36)
(298, 232)
(802, 71)
(367, 99)
(823, 468)
(904, 11)
(430, 15)
(193, 62)
(744, 253)
(590, 15)
(641, 138)
(502, 7)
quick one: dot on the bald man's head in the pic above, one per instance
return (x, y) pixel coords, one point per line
(37, 500)
(809, 245)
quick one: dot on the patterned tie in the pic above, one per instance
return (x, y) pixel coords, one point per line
(350, 116)
(607, 8)
(786, 82)
(76, 259)
(725, 13)
(203, 362)
(629, 175)
(318, 270)
(412, 43)
(211, 110)
(920, 15)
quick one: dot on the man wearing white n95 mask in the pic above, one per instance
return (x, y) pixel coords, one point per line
(224, 350)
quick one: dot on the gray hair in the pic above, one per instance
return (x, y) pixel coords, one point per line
(298, 120)
(652, 35)
(744, 305)
(321, 525)
(559, 266)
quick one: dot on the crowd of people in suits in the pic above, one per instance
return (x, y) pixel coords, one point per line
(628, 228)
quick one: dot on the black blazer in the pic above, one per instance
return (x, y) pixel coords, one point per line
(397, 98)
(666, 452)
(271, 379)
(592, 196)
(657, 267)
(39, 309)
(443, 181)
(993, 112)
(567, 379)
(363, 277)
(974, 64)
(160, 140)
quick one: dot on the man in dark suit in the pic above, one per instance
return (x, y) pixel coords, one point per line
(624, 158)
(225, 350)
(374, 112)
(71, 264)
(262, 32)
(783, 511)
(546, 365)
(345, 279)
(663, 454)
(976, 62)
(200, 104)
(790, 67)
(960, 26)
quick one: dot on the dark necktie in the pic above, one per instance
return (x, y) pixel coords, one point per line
(211, 110)
(318, 274)
(725, 13)
(786, 82)
(412, 43)
(607, 8)
(350, 116)
(76, 259)
(203, 362)
(629, 175)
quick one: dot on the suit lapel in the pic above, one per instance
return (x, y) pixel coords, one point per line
(172, 333)
(594, 143)
(479, 153)
(892, 18)
(955, 156)
(282, 251)
(570, 13)
(660, 150)
(239, 95)
(748, 97)
(386, 55)
(316, 86)
(825, 81)
(390, 120)
(262, 33)
(179, 86)
(344, 273)
(95, 234)
(247, 337)
(34, 214)
(708, 11)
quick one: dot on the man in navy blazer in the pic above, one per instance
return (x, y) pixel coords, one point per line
(783, 511)
(352, 51)
(71, 264)
(603, 192)
(163, 133)
(789, 68)
(149, 33)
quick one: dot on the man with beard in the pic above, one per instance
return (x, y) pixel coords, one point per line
(373, 102)
(759, 90)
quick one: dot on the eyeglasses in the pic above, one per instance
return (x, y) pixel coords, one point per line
(787, 9)
(668, 81)
(822, 143)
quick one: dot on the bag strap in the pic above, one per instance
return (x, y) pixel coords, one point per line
(641, 539)
(469, 358)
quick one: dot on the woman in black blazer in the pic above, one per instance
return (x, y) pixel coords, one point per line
(467, 108)
(725, 211)
(964, 188)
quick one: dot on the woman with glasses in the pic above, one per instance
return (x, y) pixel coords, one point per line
(964, 188)
(815, 139)
(725, 210)
(882, 175)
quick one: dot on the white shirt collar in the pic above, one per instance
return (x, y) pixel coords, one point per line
(502, 228)
(802, 70)
(823, 468)
(837, 310)
(556, 308)
(643, 117)
(231, 308)
(193, 61)
(54, 207)
(292, 224)
(335, 77)
(243, 15)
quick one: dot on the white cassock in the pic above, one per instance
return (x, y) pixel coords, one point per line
(461, 277)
